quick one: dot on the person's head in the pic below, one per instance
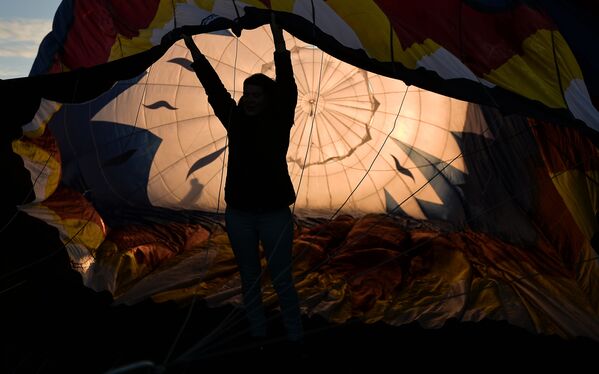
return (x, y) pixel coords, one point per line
(258, 92)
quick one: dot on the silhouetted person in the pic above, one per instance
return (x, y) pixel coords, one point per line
(258, 189)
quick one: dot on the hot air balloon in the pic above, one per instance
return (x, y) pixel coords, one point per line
(444, 167)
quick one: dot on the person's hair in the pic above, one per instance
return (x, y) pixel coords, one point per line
(261, 80)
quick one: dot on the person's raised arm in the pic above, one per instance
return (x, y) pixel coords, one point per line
(219, 98)
(193, 48)
(277, 34)
(283, 68)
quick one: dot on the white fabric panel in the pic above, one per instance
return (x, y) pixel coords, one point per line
(448, 66)
(43, 115)
(579, 103)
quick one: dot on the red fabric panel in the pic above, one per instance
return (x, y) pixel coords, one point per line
(483, 41)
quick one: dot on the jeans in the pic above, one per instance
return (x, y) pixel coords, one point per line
(274, 228)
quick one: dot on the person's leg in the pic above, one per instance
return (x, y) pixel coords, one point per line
(276, 233)
(243, 236)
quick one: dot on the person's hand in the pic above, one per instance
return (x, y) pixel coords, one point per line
(189, 42)
(193, 48)
(277, 33)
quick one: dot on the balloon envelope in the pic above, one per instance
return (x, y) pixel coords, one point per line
(357, 146)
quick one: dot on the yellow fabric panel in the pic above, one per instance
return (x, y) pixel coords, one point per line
(46, 161)
(283, 5)
(533, 74)
(81, 237)
(85, 232)
(580, 193)
(568, 66)
(205, 4)
(410, 56)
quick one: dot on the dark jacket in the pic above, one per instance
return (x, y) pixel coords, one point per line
(257, 175)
